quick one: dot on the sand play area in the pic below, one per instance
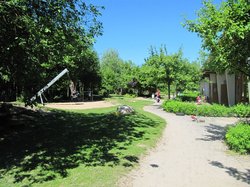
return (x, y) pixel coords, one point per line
(80, 105)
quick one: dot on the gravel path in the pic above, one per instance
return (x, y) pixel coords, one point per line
(190, 154)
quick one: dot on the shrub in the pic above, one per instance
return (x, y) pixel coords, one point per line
(171, 106)
(189, 108)
(241, 110)
(214, 110)
(205, 110)
(238, 138)
(178, 106)
(188, 96)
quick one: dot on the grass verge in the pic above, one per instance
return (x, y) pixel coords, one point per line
(75, 148)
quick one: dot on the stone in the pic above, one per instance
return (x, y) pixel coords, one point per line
(124, 109)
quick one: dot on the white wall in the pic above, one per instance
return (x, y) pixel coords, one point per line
(230, 78)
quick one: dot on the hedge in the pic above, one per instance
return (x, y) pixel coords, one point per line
(214, 110)
(238, 138)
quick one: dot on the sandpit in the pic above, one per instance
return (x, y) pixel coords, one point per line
(80, 105)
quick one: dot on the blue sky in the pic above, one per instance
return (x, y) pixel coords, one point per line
(132, 26)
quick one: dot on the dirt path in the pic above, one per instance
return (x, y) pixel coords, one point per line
(190, 154)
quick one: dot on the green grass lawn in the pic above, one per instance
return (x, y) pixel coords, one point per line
(75, 148)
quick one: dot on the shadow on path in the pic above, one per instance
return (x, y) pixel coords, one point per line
(214, 133)
(233, 172)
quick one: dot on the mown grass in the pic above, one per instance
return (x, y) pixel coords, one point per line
(93, 147)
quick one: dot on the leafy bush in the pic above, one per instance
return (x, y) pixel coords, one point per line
(178, 106)
(238, 138)
(214, 110)
(241, 110)
(188, 96)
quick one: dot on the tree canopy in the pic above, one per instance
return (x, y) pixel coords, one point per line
(225, 32)
(116, 73)
(162, 69)
(40, 38)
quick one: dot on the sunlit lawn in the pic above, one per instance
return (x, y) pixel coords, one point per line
(75, 148)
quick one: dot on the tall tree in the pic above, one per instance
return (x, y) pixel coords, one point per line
(150, 73)
(171, 70)
(129, 77)
(111, 69)
(225, 32)
(118, 76)
(39, 38)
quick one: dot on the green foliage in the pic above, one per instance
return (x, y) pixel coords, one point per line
(116, 73)
(224, 30)
(238, 138)
(215, 110)
(173, 70)
(111, 69)
(241, 110)
(38, 39)
(188, 96)
(178, 106)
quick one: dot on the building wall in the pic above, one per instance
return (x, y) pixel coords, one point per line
(221, 80)
(228, 89)
(230, 78)
(204, 87)
(213, 95)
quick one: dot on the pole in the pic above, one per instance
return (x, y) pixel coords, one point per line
(40, 92)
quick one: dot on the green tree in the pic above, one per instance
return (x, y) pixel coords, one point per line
(150, 72)
(111, 70)
(117, 74)
(147, 78)
(129, 77)
(225, 32)
(40, 38)
(172, 70)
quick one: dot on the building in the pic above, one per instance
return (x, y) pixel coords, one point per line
(224, 88)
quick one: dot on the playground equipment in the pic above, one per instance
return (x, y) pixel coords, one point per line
(40, 92)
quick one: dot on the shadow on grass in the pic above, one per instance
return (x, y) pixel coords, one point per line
(233, 172)
(39, 146)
